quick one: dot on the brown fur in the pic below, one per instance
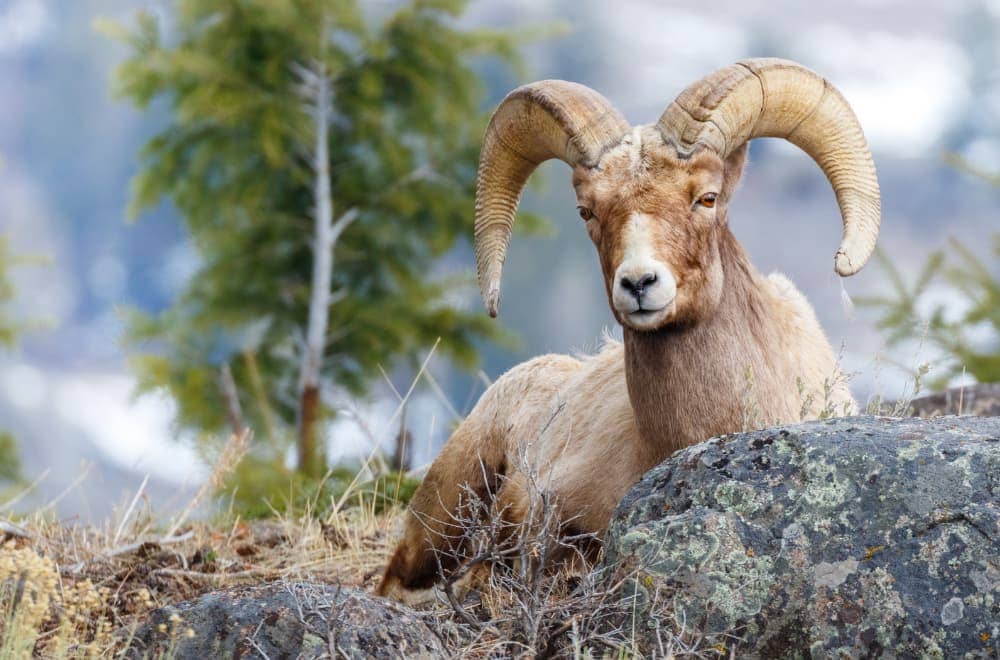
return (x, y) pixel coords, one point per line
(738, 350)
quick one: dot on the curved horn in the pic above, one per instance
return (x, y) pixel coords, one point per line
(777, 98)
(536, 122)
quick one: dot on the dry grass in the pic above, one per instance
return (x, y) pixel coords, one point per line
(60, 577)
(66, 590)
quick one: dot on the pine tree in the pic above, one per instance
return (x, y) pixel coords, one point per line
(322, 162)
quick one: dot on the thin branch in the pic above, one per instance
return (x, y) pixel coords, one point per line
(338, 295)
(449, 592)
(8, 528)
(128, 511)
(342, 223)
(210, 577)
(127, 550)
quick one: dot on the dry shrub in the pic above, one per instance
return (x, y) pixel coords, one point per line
(533, 590)
(42, 612)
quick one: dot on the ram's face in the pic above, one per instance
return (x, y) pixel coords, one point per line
(655, 219)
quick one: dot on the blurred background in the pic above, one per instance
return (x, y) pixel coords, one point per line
(921, 75)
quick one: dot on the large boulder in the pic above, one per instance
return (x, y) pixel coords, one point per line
(851, 537)
(285, 620)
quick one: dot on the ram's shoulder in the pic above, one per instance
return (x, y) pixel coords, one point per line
(794, 313)
(539, 375)
(550, 362)
(785, 291)
(783, 287)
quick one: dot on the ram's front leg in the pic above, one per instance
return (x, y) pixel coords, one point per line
(466, 472)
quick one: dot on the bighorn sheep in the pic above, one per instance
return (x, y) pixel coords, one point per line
(710, 345)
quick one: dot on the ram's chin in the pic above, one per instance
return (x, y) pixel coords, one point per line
(647, 319)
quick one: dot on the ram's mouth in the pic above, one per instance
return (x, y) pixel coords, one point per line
(647, 319)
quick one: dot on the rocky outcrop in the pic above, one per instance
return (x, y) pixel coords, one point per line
(843, 538)
(981, 399)
(285, 620)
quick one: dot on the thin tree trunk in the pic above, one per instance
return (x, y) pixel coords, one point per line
(311, 456)
(326, 232)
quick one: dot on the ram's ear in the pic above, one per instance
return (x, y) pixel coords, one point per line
(734, 171)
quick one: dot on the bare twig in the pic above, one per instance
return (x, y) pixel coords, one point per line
(253, 641)
(8, 528)
(128, 511)
(449, 592)
(127, 550)
(210, 577)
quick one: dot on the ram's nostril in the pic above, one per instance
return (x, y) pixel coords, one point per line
(637, 287)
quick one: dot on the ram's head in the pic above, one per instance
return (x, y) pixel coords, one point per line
(654, 198)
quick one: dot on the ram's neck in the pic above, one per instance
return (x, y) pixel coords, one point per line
(689, 383)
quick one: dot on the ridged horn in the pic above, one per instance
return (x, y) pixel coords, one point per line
(777, 98)
(536, 122)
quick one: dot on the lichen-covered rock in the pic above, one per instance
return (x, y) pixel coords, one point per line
(285, 620)
(852, 537)
(981, 400)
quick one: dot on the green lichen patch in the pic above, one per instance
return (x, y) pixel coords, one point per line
(849, 537)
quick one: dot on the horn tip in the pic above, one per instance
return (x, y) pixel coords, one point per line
(492, 300)
(843, 264)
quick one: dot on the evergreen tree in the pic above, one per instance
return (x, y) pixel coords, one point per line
(322, 162)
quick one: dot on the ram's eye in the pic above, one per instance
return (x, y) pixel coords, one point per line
(708, 200)
(585, 213)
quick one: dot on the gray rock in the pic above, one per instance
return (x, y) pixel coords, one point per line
(981, 400)
(285, 620)
(853, 537)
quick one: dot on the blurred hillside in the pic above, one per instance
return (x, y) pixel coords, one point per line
(920, 74)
